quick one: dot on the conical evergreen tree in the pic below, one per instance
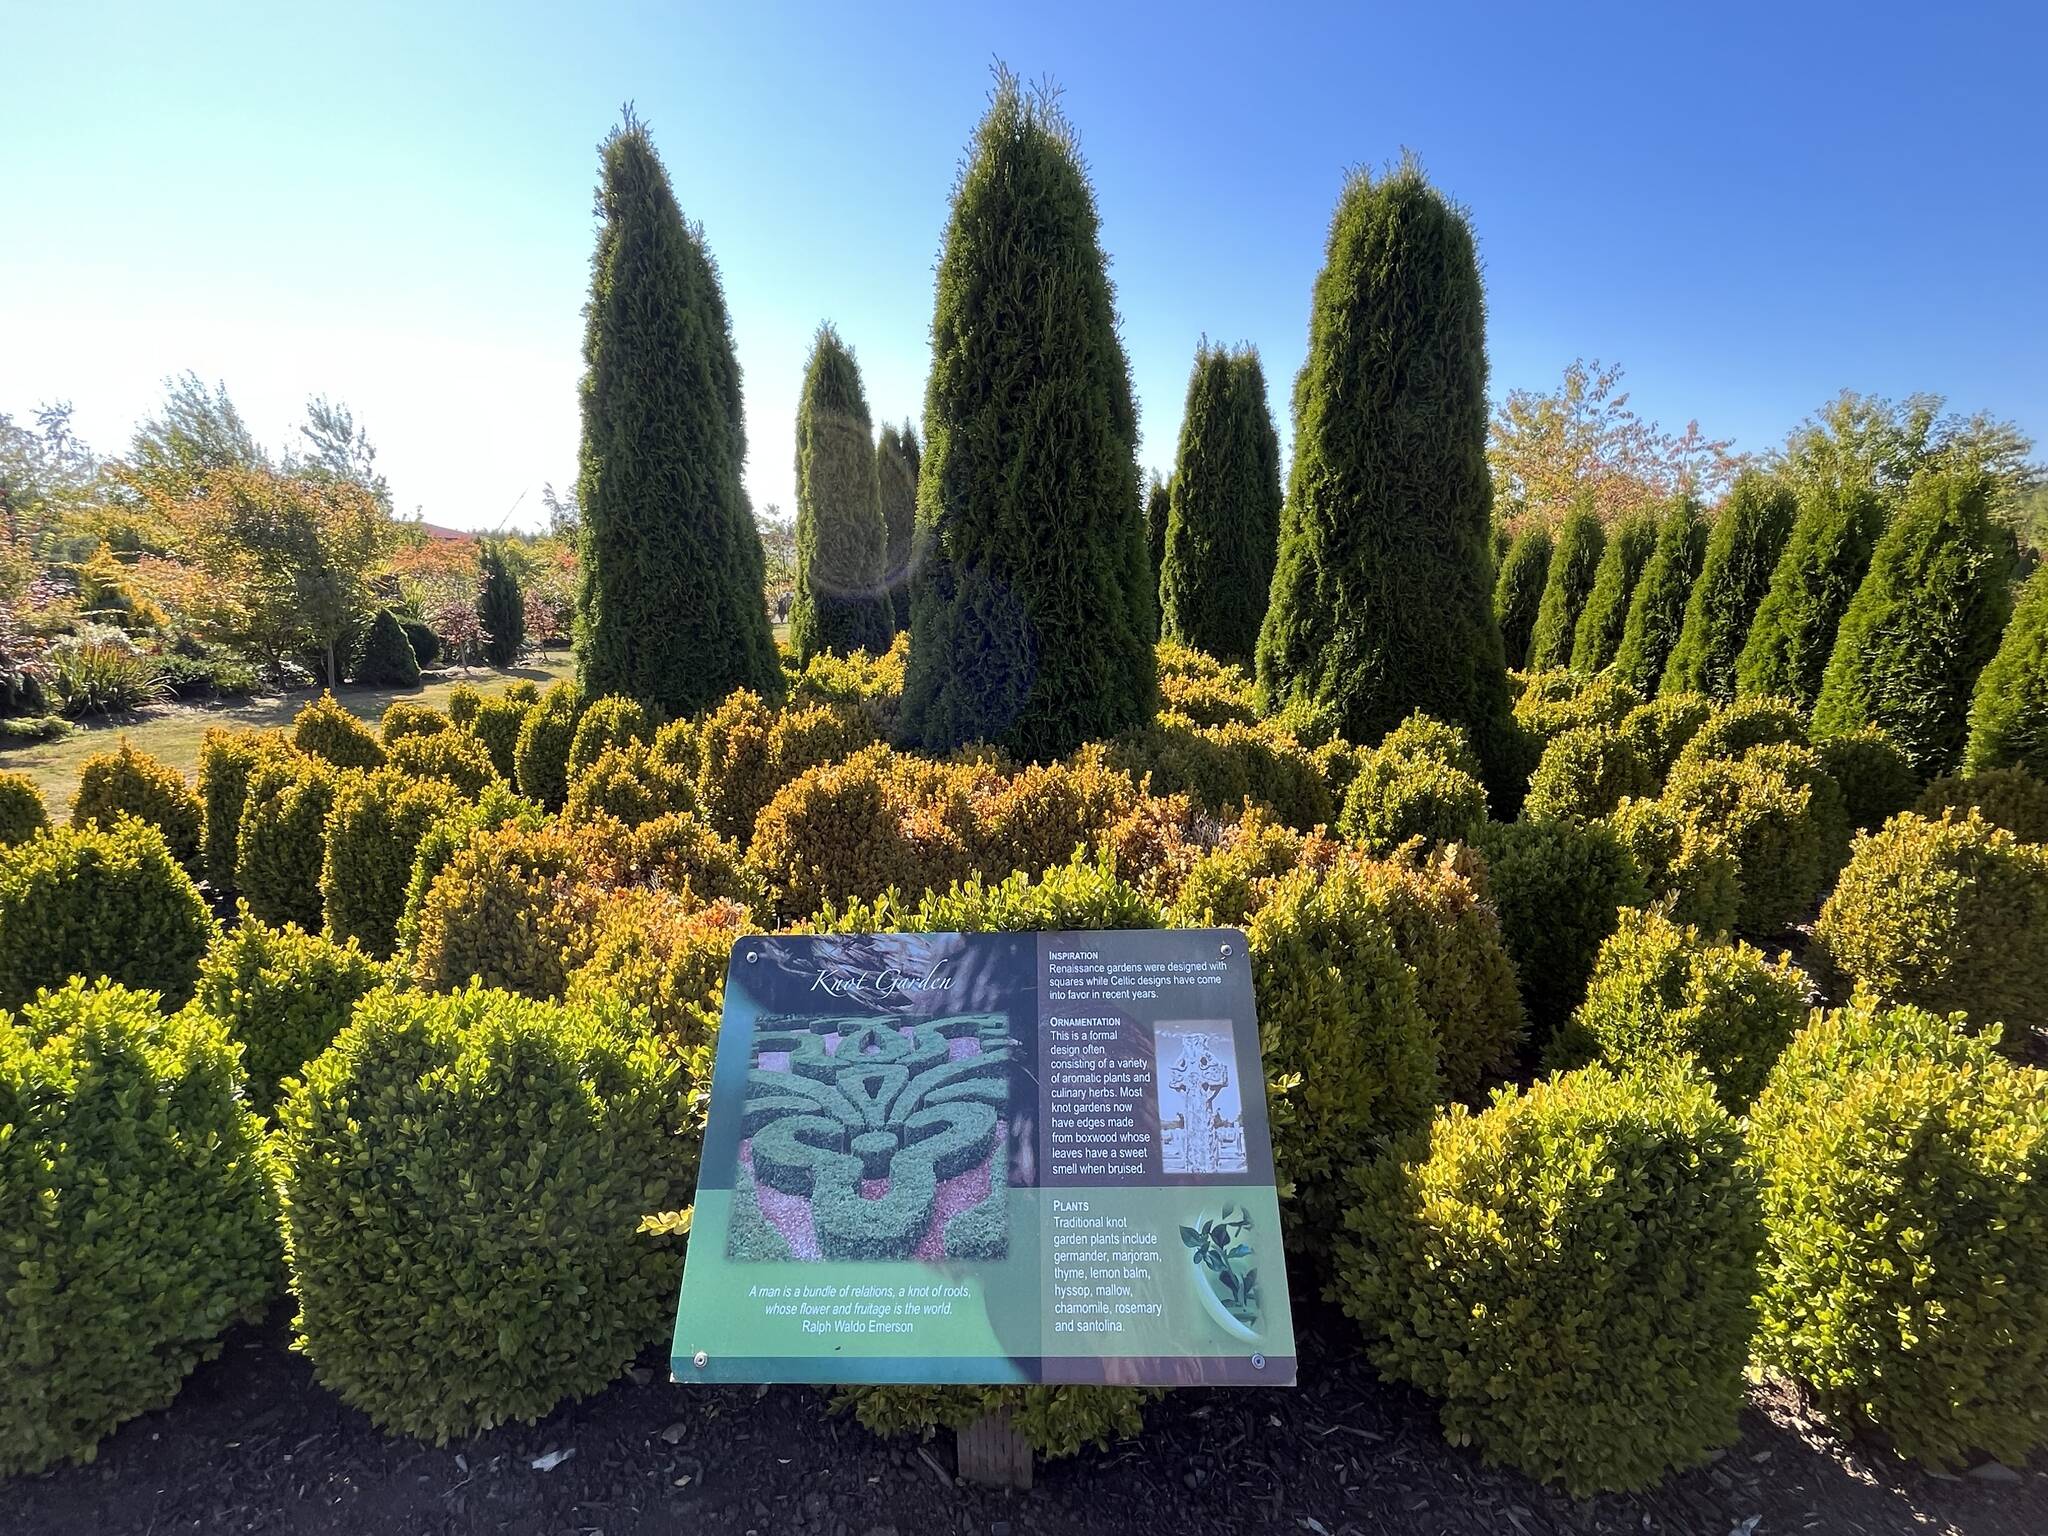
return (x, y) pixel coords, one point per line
(1605, 615)
(1158, 508)
(1518, 591)
(1033, 614)
(500, 608)
(1823, 563)
(1924, 622)
(1743, 551)
(896, 481)
(671, 608)
(842, 545)
(1656, 611)
(2009, 715)
(1223, 529)
(1574, 567)
(1382, 599)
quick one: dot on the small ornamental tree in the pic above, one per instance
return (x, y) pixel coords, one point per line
(1922, 625)
(2009, 716)
(1743, 551)
(1574, 565)
(389, 660)
(1158, 508)
(1223, 523)
(1518, 591)
(1656, 611)
(842, 545)
(1382, 598)
(1598, 635)
(896, 457)
(501, 609)
(1033, 614)
(670, 610)
(1824, 561)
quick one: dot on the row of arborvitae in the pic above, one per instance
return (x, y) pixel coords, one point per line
(528, 903)
(1864, 614)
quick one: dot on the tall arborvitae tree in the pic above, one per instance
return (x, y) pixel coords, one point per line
(1033, 614)
(896, 481)
(842, 544)
(500, 609)
(1823, 564)
(1223, 527)
(2009, 715)
(1656, 612)
(1743, 551)
(1574, 567)
(1518, 591)
(1158, 508)
(671, 608)
(1924, 622)
(1605, 615)
(1382, 600)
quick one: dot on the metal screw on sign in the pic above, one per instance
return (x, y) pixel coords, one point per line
(700, 1360)
(1258, 1362)
(753, 955)
(1226, 951)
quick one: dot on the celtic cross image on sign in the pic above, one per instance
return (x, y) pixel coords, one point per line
(1020, 1157)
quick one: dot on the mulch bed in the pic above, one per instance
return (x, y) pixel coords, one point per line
(253, 1444)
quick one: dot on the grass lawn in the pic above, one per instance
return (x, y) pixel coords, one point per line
(172, 731)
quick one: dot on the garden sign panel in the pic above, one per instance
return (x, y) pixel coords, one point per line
(990, 1157)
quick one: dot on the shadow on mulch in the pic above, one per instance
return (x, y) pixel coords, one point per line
(253, 1444)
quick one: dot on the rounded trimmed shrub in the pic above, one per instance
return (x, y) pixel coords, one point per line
(1568, 1273)
(1397, 796)
(226, 760)
(497, 723)
(1948, 915)
(1518, 591)
(324, 728)
(464, 700)
(21, 808)
(1574, 566)
(283, 839)
(403, 717)
(1876, 777)
(388, 659)
(1557, 701)
(426, 645)
(1662, 994)
(630, 786)
(1559, 887)
(664, 956)
(2010, 798)
(371, 838)
(487, 1282)
(91, 903)
(1036, 818)
(497, 807)
(1660, 729)
(541, 759)
(1905, 1191)
(1585, 773)
(1733, 728)
(1351, 1059)
(2009, 710)
(505, 911)
(126, 782)
(607, 722)
(1220, 767)
(136, 1222)
(1689, 871)
(1230, 882)
(283, 994)
(1783, 846)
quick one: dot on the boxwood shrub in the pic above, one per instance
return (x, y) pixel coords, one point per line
(136, 1221)
(1033, 820)
(1782, 846)
(504, 911)
(284, 994)
(1875, 775)
(541, 758)
(1660, 729)
(1559, 887)
(608, 722)
(1733, 728)
(629, 785)
(21, 808)
(454, 757)
(1219, 767)
(372, 838)
(1688, 870)
(226, 760)
(462, 1178)
(1584, 773)
(114, 904)
(1568, 1273)
(1558, 700)
(2010, 798)
(1905, 1189)
(497, 723)
(1421, 781)
(324, 728)
(1948, 915)
(126, 782)
(403, 717)
(283, 839)
(1662, 995)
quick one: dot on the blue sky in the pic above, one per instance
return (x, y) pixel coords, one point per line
(1749, 207)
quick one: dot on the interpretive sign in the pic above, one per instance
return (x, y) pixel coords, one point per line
(989, 1157)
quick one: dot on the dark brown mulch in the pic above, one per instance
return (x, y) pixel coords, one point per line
(253, 1444)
